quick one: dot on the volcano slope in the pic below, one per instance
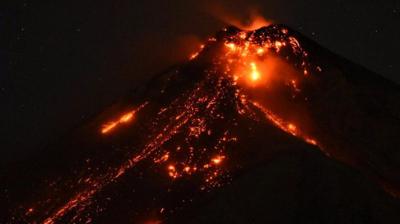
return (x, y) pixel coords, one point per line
(257, 126)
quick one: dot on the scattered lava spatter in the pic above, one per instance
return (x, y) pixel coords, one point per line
(239, 66)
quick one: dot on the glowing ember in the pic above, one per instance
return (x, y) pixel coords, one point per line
(260, 51)
(255, 75)
(217, 160)
(196, 54)
(125, 118)
(231, 46)
(108, 127)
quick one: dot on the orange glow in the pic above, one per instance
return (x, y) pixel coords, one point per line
(295, 86)
(164, 158)
(291, 127)
(311, 141)
(255, 75)
(260, 51)
(231, 46)
(254, 63)
(172, 171)
(29, 211)
(125, 118)
(196, 54)
(251, 18)
(257, 22)
(108, 127)
(278, 44)
(217, 160)
(187, 169)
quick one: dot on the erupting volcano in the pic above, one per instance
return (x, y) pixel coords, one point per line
(246, 97)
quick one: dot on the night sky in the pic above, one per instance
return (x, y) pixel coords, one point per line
(61, 62)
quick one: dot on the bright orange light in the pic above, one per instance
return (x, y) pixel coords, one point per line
(291, 127)
(217, 160)
(311, 141)
(172, 171)
(171, 167)
(187, 169)
(231, 46)
(255, 75)
(256, 23)
(125, 118)
(196, 54)
(164, 158)
(108, 127)
(260, 51)
(29, 211)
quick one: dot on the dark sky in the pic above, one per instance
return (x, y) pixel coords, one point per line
(62, 61)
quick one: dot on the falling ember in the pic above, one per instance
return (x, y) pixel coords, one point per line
(291, 127)
(164, 158)
(278, 44)
(108, 127)
(125, 118)
(217, 160)
(231, 46)
(172, 171)
(29, 211)
(260, 51)
(255, 75)
(295, 86)
(311, 141)
(196, 54)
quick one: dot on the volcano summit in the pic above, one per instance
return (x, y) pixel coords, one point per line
(247, 102)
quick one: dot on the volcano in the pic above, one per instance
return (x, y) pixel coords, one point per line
(258, 126)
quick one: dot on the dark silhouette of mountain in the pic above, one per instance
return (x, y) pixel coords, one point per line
(258, 126)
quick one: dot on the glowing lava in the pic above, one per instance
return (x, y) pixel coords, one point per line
(255, 75)
(178, 129)
(125, 118)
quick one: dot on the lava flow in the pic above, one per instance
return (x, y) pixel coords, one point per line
(189, 124)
